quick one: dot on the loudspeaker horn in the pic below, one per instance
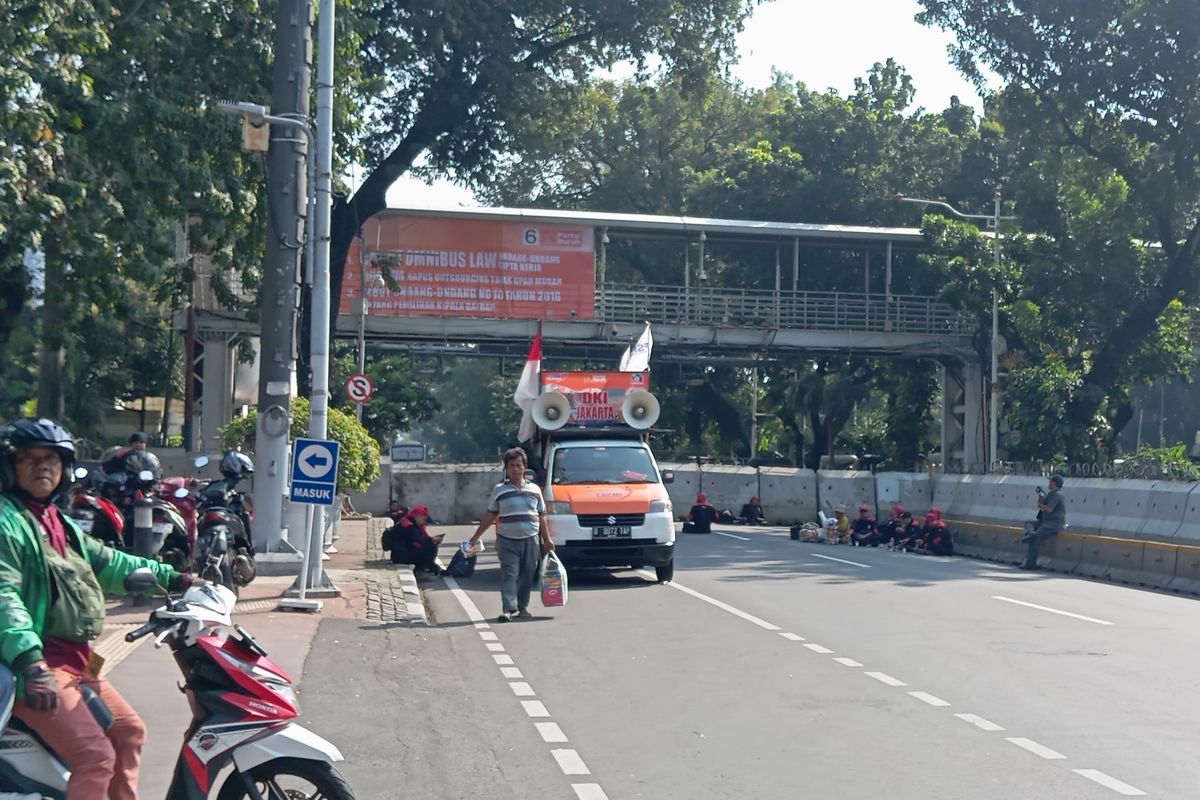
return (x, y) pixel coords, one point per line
(551, 411)
(640, 409)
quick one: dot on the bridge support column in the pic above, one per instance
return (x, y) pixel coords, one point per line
(216, 400)
(963, 417)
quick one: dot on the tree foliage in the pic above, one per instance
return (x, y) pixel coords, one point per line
(358, 457)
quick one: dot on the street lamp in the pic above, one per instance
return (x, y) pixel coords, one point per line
(993, 222)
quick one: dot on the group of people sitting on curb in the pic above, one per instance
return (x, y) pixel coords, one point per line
(900, 531)
(702, 516)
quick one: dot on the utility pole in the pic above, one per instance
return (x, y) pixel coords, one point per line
(287, 200)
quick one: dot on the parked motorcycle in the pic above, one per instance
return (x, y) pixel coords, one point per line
(94, 513)
(242, 704)
(104, 507)
(224, 550)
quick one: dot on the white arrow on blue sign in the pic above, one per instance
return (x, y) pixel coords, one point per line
(314, 471)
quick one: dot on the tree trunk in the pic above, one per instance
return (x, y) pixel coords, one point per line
(13, 290)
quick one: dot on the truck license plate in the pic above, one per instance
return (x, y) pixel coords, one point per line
(612, 532)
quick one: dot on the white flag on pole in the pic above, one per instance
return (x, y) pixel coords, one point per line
(637, 355)
(528, 388)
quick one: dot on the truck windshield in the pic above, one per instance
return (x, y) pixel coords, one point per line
(603, 464)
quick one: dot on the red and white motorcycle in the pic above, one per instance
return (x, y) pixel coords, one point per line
(243, 705)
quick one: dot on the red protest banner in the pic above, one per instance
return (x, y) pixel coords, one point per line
(474, 268)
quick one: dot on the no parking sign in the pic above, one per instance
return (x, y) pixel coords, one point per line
(359, 388)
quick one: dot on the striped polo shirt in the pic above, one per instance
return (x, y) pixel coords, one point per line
(519, 509)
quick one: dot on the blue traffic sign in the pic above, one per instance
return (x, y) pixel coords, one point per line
(314, 471)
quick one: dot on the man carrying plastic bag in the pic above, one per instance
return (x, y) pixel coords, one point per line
(519, 508)
(554, 581)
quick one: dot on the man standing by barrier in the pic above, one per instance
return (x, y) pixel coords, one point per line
(521, 511)
(1052, 518)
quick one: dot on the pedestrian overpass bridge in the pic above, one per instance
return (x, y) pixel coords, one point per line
(693, 323)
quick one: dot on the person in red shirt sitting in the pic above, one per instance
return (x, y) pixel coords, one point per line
(411, 542)
(934, 538)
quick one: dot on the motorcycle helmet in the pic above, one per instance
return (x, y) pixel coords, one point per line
(143, 460)
(24, 434)
(236, 465)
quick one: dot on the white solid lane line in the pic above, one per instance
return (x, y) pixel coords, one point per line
(570, 762)
(731, 536)
(816, 648)
(1051, 610)
(926, 697)
(841, 561)
(979, 722)
(473, 612)
(1035, 748)
(1109, 782)
(762, 623)
(589, 791)
(883, 677)
(550, 732)
(847, 662)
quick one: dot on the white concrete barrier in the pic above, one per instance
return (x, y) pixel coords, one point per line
(788, 495)
(1125, 507)
(1165, 507)
(473, 486)
(848, 488)
(434, 485)
(685, 487)
(1005, 499)
(1189, 527)
(1087, 503)
(913, 490)
(946, 490)
(728, 487)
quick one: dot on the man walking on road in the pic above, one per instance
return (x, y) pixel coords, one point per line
(519, 507)
(1052, 518)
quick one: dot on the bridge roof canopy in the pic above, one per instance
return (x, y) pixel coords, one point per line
(659, 226)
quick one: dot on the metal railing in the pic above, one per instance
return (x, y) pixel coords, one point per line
(756, 308)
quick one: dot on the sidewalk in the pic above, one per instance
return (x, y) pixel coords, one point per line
(373, 590)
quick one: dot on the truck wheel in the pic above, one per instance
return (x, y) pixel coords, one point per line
(666, 572)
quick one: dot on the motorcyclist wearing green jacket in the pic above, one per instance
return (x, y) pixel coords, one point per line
(52, 583)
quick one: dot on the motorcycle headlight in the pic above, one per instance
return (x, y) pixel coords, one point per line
(660, 506)
(558, 507)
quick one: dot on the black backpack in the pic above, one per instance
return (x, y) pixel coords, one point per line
(461, 566)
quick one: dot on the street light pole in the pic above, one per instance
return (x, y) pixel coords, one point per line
(993, 222)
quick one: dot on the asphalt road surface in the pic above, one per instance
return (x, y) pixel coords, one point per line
(771, 668)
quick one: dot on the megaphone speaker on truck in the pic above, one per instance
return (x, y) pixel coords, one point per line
(640, 409)
(551, 411)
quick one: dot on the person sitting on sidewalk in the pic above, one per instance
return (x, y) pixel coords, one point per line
(907, 532)
(701, 517)
(887, 528)
(412, 544)
(933, 538)
(862, 529)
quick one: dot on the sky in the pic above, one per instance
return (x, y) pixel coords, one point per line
(824, 44)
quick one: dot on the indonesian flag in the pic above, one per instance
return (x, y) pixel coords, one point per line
(637, 356)
(528, 388)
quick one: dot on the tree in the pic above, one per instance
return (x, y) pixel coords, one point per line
(478, 419)
(402, 397)
(358, 456)
(1112, 87)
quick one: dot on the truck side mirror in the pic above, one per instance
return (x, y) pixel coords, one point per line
(668, 476)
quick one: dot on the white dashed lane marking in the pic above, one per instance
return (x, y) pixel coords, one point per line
(1108, 781)
(522, 689)
(1035, 748)
(1050, 610)
(816, 648)
(926, 697)
(495, 647)
(737, 612)
(511, 672)
(979, 722)
(502, 659)
(550, 732)
(842, 561)
(589, 791)
(792, 637)
(732, 536)
(535, 708)
(570, 762)
(847, 662)
(883, 677)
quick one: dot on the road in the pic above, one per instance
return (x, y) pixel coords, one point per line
(771, 668)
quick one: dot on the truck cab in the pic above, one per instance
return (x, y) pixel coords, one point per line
(607, 503)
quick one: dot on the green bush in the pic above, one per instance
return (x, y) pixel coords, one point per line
(358, 461)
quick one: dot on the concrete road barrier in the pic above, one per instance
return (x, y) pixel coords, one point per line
(1125, 507)
(729, 487)
(1062, 552)
(912, 490)
(788, 495)
(1165, 506)
(1187, 570)
(1189, 527)
(1086, 503)
(848, 488)
(1159, 561)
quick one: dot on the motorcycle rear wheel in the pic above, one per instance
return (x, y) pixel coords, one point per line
(291, 778)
